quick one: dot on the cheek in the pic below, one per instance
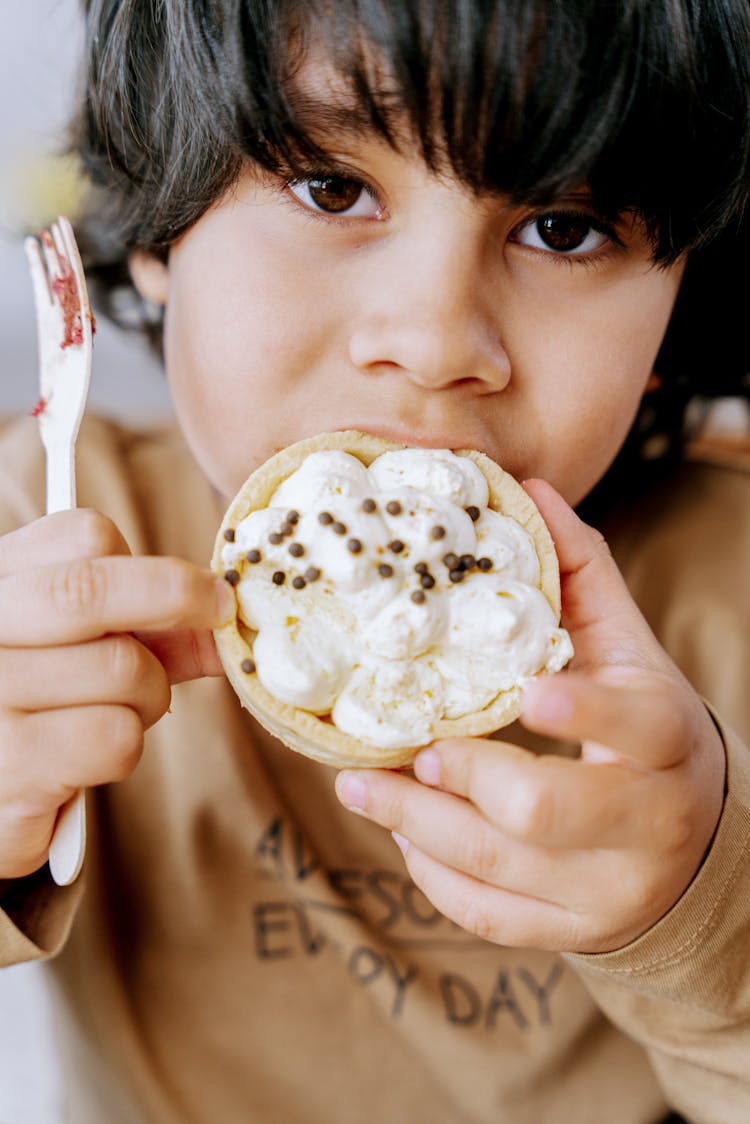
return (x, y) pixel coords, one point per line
(596, 378)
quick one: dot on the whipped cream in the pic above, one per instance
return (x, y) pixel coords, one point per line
(392, 596)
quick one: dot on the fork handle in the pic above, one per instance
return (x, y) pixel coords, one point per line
(61, 478)
(68, 844)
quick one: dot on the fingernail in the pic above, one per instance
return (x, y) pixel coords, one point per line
(545, 701)
(226, 603)
(427, 767)
(352, 791)
(401, 843)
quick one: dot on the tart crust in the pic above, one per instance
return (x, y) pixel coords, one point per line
(316, 736)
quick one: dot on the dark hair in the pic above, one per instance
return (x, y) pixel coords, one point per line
(646, 101)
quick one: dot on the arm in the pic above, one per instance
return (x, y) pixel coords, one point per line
(90, 641)
(589, 855)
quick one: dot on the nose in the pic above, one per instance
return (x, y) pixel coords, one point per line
(431, 307)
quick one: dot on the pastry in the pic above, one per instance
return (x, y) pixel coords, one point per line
(386, 596)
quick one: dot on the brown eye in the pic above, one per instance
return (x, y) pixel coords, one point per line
(336, 195)
(562, 233)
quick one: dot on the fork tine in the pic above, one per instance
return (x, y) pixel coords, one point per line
(72, 254)
(37, 268)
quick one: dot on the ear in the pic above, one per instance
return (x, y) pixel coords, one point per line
(150, 276)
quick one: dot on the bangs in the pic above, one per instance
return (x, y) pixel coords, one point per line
(644, 102)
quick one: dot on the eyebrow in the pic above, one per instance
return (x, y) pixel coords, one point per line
(322, 119)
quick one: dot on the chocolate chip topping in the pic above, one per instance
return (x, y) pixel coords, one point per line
(385, 570)
(393, 507)
(299, 582)
(339, 528)
(229, 534)
(292, 517)
(450, 560)
(312, 573)
(427, 581)
(324, 518)
(437, 532)
(473, 513)
(421, 568)
(248, 666)
(396, 546)
(457, 575)
(296, 549)
(467, 562)
(286, 528)
(279, 577)
(232, 577)
(369, 506)
(275, 538)
(354, 546)
(253, 556)
(418, 597)
(484, 564)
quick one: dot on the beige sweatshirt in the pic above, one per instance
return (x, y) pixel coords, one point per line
(241, 949)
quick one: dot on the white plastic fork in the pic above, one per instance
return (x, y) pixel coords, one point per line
(65, 337)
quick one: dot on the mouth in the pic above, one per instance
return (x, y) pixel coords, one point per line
(406, 434)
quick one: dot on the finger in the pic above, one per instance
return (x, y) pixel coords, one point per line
(454, 833)
(50, 754)
(84, 599)
(606, 624)
(556, 803)
(184, 653)
(648, 719)
(61, 537)
(116, 669)
(512, 919)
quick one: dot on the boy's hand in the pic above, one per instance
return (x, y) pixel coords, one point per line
(549, 852)
(90, 640)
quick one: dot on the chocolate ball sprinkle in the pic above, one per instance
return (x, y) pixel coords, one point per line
(312, 573)
(338, 528)
(484, 564)
(354, 546)
(421, 568)
(385, 570)
(253, 556)
(418, 597)
(396, 546)
(427, 581)
(467, 562)
(296, 549)
(248, 666)
(299, 582)
(369, 506)
(457, 575)
(292, 517)
(450, 560)
(324, 518)
(437, 532)
(275, 538)
(393, 507)
(229, 534)
(232, 576)
(286, 528)
(279, 577)
(473, 513)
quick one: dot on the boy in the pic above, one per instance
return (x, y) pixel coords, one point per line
(456, 225)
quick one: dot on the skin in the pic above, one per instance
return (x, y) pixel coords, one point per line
(427, 315)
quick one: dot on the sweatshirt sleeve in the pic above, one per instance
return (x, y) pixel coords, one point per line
(35, 916)
(682, 989)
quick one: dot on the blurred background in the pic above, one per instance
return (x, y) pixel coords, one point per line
(39, 53)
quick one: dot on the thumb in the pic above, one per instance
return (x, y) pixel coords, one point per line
(185, 653)
(597, 609)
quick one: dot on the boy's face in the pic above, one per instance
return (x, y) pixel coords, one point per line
(375, 295)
